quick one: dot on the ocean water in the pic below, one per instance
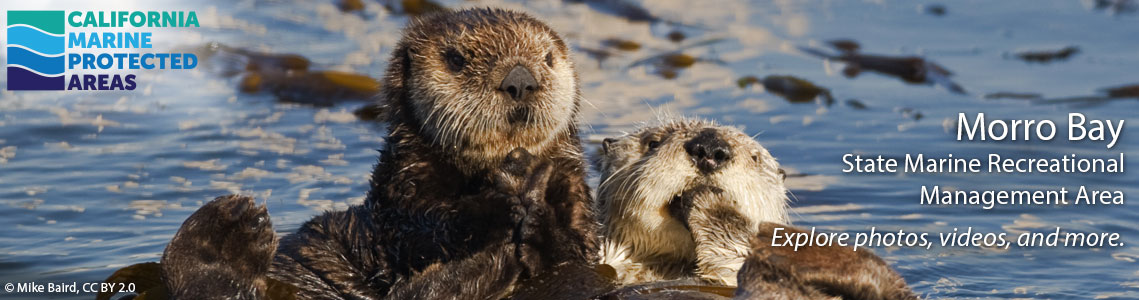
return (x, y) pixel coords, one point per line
(94, 181)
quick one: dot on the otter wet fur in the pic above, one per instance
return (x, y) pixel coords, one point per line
(816, 272)
(223, 250)
(683, 199)
(481, 181)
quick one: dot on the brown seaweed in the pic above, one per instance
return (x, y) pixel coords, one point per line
(676, 36)
(413, 7)
(1107, 94)
(910, 69)
(796, 90)
(670, 63)
(746, 81)
(1123, 91)
(1047, 56)
(845, 45)
(621, 44)
(679, 60)
(1116, 7)
(320, 88)
(936, 10)
(350, 5)
(1012, 95)
(621, 8)
(791, 88)
(290, 77)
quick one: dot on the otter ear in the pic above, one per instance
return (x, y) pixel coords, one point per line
(606, 144)
(401, 64)
(398, 68)
(405, 59)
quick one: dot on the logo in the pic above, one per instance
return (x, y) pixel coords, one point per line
(89, 50)
(35, 47)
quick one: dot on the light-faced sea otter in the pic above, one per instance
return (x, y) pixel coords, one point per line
(683, 199)
(688, 205)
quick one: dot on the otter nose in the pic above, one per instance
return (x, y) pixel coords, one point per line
(708, 151)
(519, 83)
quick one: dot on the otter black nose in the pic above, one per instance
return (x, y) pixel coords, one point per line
(519, 83)
(708, 151)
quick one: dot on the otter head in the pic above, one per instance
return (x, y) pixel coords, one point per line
(479, 83)
(644, 175)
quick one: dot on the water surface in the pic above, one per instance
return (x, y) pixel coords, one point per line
(94, 181)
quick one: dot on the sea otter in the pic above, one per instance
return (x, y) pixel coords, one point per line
(691, 199)
(481, 181)
(683, 199)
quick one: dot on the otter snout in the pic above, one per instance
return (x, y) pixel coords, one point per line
(519, 83)
(708, 151)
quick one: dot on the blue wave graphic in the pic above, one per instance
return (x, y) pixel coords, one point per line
(47, 65)
(36, 40)
(20, 79)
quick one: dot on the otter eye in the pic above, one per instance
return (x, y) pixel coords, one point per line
(654, 144)
(755, 158)
(550, 59)
(455, 60)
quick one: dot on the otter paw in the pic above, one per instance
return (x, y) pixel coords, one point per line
(534, 200)
(225, 248)
(518, 162)
(524, 179)
(510, 180)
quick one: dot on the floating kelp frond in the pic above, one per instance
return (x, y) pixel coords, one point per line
(796, 90)
(1123, 91)
(1047, 56)
(414, 7)
(910, 69)
(791, 88)
(621, 44)
(351, 5)
(321, 88)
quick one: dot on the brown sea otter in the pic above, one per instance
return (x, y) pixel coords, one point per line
(481, 181)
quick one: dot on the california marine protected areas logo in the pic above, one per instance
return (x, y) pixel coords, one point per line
(35, 50)
(89, 50)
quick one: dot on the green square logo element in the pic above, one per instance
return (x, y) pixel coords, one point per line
(35, 49)
(51, 21)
